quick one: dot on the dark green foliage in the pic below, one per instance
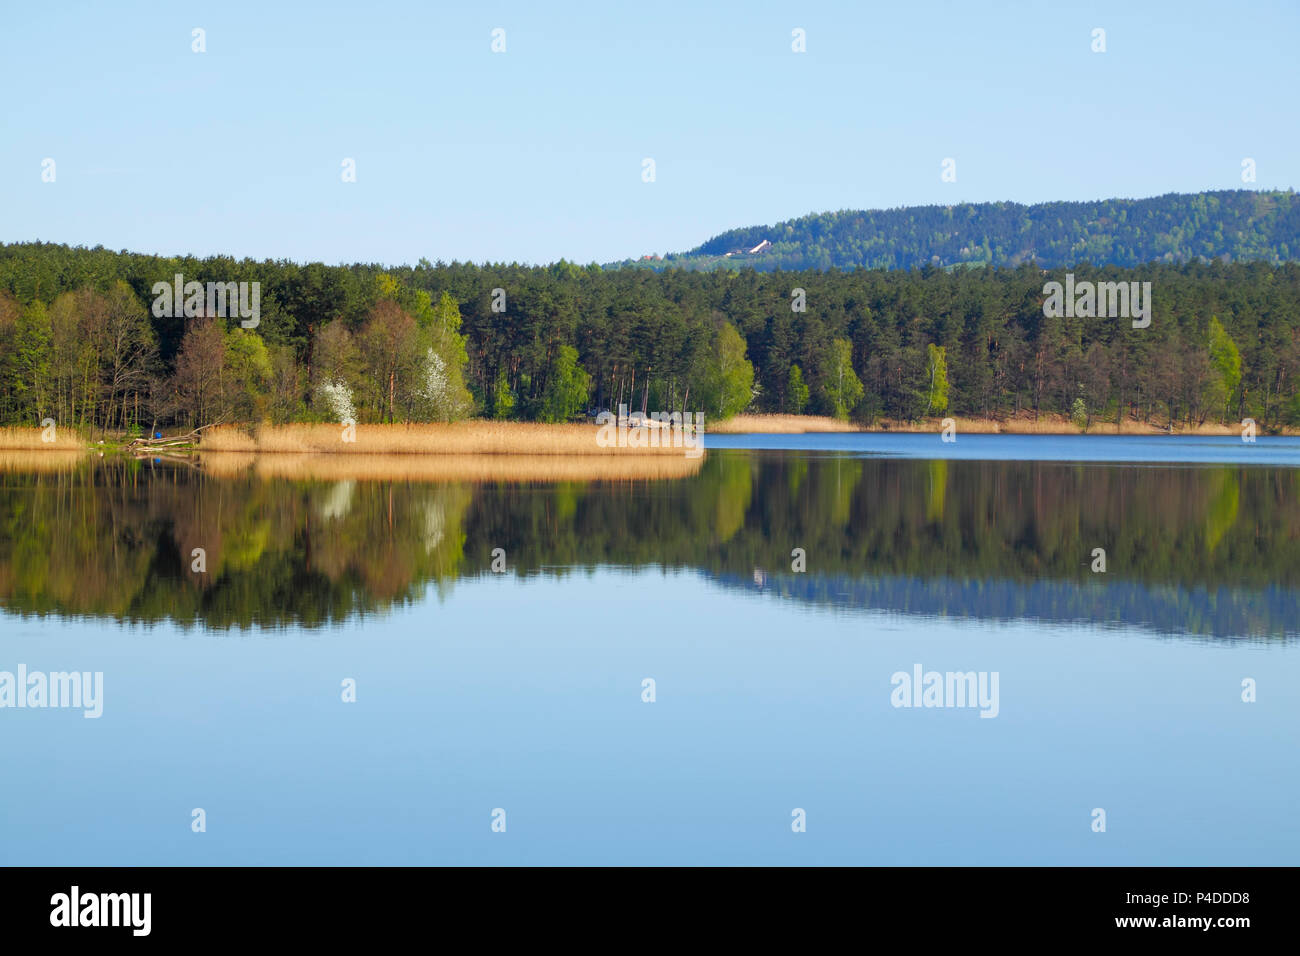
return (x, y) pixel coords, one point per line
(651, 339)
(1239, 225)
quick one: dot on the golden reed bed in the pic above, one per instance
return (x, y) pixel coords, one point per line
(469, 468)
(29, 439)
(458, 438)
(779, 425)
(534, 439)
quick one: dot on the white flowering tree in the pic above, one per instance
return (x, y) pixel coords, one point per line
(337, 397)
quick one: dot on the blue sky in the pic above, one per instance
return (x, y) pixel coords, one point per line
(535, 154)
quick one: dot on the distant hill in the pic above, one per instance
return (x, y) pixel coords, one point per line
(1232, 225)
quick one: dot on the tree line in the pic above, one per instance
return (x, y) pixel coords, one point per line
(80, 343)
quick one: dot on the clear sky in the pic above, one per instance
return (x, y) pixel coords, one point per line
(536, 153)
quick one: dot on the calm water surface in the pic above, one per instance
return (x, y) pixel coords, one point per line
(522, 690)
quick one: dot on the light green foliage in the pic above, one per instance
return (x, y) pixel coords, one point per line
(1225, 361)
(841, 387)
(732, 374)
(568, 387)
(1079, 414)
(250, 378)
(416, 356)
(797, 391)
(448, 398)
(937, 369)
(25, 359)
(503, 399)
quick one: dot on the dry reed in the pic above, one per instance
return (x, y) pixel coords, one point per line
(779, 425)
(65, 439)
(457, 438)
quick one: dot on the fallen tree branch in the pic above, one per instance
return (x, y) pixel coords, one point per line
(173, 441)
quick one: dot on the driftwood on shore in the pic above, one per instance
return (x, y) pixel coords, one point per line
(174, 441)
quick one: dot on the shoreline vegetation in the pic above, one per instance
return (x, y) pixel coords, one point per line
(528, 444)
(1015, 425)
(475, 437)
(97, 341)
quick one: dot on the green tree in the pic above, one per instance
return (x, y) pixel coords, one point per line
(444, 388)
(841, 388)
(567, 389)
(797, 391)
(249, 375)
(27, 364)
(393, 359)
(733, 373)
(503, 399)
(1226, 362)
(1079, 414)
(937, 369)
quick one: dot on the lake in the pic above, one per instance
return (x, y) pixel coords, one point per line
(810, 649)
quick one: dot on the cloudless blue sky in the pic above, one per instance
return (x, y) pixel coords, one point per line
(535, 154)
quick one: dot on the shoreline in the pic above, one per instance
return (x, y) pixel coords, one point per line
(1045, 425)
(478, 437)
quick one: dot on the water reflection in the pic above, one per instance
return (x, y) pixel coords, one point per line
(1194, 550)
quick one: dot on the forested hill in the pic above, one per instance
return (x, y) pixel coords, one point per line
(1178, 227)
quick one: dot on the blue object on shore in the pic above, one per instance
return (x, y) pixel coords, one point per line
(157, 434)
